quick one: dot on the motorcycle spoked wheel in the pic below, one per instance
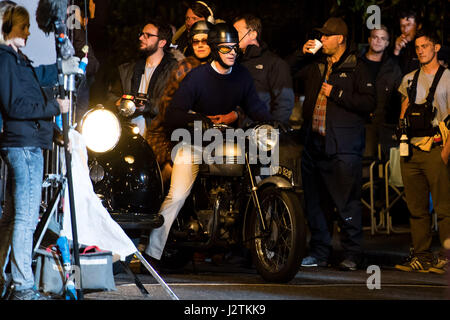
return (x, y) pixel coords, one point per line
(277, 253)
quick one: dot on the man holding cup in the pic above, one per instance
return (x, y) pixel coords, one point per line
(339, 95)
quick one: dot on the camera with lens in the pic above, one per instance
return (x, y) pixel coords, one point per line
(132, 105)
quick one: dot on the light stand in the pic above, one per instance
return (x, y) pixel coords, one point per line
(61, 38)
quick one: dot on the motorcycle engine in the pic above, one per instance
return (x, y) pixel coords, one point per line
(217, 225)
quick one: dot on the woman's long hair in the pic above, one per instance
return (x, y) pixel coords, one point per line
(156, 134)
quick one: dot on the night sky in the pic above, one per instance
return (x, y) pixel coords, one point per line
(287, 24)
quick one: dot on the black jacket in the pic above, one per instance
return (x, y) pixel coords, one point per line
(273, 80)
(407, 59)
(387, 81)
(351, 100)
(26, 111)
(130, 78)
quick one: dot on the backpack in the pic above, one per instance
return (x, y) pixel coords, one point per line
(420, 116)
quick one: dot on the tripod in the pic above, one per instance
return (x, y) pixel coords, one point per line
(59, 183)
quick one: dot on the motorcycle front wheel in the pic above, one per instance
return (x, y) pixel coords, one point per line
(278, 250)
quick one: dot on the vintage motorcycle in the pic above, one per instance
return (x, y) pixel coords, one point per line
(236, 201)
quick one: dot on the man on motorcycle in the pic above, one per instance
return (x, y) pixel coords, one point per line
(214, 90)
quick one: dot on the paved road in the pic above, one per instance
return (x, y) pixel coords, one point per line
(224, 282)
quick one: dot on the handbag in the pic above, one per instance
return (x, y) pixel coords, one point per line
(96, 269)
(49, 271)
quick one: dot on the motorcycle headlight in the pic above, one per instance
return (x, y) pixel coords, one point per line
(265, 137)
(100, 129)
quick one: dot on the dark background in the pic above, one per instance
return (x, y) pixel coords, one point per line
(287, 24)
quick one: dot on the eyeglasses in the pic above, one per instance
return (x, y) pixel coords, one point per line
(249, 30)
(198, 42)
(224, 49)
(146, 35)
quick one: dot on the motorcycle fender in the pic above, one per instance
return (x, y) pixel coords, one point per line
(278, 181)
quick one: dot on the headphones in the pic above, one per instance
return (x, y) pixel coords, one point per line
(8, 24)
(210, 19)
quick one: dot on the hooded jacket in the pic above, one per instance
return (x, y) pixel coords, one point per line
(273, 80)
(26, 111)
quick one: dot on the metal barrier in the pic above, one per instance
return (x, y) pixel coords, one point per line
(390, 191)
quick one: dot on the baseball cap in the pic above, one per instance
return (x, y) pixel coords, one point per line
(334, 26)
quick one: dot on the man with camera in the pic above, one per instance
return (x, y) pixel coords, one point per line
(425, 118)
(147, 78)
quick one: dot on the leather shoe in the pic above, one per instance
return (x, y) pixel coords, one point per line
(348, 265)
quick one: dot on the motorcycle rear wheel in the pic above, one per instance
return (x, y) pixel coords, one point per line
(277, 252)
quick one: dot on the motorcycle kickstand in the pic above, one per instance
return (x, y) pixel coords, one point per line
(156, 276)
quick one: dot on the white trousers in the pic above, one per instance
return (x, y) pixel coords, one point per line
(184, 172)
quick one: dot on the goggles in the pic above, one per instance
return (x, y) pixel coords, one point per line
(224, 49)
(198, 42)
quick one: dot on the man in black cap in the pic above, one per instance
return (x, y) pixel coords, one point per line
(339, 95)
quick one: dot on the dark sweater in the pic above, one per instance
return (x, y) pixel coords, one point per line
(209, 93)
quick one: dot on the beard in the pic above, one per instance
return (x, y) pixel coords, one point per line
(149, 50)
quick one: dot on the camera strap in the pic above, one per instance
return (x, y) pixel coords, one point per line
(430, 97)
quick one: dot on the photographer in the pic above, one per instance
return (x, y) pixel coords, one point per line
(425, 169)
(148, 76)
(28, 129)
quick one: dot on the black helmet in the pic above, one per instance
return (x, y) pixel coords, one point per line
(200, 27)
(223, 32)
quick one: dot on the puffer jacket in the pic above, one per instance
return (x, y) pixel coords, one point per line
(26, 111)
